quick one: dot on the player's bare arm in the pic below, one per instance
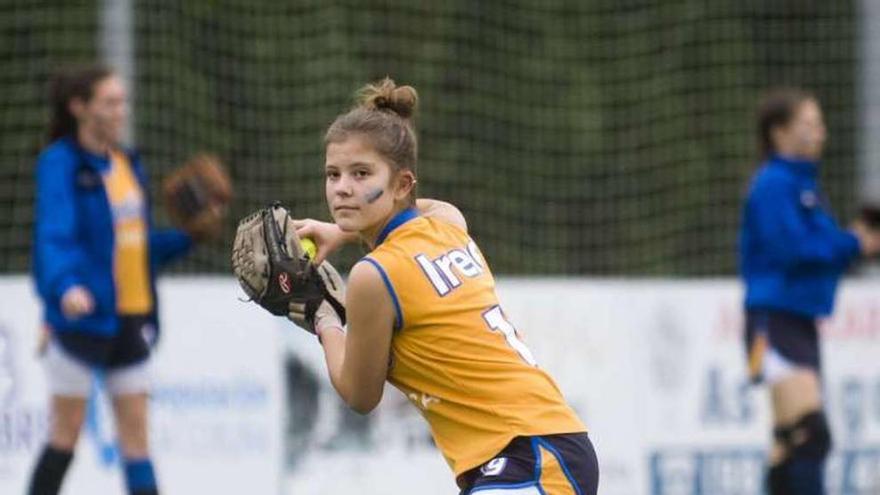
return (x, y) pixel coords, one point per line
(358, 360)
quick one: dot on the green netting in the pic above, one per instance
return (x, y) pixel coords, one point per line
(35, 39)
(578, 137)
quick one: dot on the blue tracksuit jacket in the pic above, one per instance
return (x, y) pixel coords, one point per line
(792, 252)
(74, 236)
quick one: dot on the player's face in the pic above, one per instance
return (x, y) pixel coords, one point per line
(805, 136)
(358, 186)
(104, 116)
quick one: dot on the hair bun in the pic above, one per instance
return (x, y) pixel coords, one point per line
(387, 96)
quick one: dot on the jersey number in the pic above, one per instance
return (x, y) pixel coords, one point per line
(498, 322)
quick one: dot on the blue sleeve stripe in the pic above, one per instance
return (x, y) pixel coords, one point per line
(398, 319)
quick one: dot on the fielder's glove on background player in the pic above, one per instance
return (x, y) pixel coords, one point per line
(197, 196)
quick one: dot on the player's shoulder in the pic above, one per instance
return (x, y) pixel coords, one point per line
(451, 226)
(771, 178)
(368, 276)
(435, 230)
(59, 153)
(393, 257)
(419, 235)
(366, 273)
(448, 213)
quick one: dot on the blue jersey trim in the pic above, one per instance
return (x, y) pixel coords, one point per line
(561, 461)
(396, 221)
(398, 323)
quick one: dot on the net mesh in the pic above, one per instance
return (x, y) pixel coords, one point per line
(593, 137)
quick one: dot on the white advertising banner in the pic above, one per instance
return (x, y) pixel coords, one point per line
(655, 368)
(216, 409)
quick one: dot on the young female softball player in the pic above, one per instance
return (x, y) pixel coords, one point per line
(95, 260)
(423, 314)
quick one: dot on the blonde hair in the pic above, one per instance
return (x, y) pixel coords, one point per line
(384, 116)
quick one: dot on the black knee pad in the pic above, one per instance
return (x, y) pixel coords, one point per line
(808, 438)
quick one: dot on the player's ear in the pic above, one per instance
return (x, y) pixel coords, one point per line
(405, 182)
(77, 108)
(779, 137)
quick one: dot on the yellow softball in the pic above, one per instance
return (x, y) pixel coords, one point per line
(309, 247)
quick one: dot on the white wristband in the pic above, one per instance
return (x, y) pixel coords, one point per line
(327, 320)
(319, 331)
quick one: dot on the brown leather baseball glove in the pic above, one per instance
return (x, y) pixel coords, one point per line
(197, 196)
(276, 272)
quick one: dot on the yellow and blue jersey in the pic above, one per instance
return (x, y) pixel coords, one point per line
(454, 354)
(134, 294)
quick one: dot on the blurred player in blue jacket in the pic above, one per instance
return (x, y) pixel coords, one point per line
(94, 263)
(792, 254)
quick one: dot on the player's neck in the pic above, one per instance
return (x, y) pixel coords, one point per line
(369, 238)
(93, 144)
(371, 235)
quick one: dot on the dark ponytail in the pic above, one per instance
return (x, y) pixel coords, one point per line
(78, 82)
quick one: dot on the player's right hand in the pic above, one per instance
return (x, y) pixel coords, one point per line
(328, 237)
(76, 302)
(330, 313)
(869, 239)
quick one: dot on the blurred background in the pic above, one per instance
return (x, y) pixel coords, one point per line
(584, 141)
(613, 137)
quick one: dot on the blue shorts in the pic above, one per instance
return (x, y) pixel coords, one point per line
(131, 344)
(541, 465)
(777, 341)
